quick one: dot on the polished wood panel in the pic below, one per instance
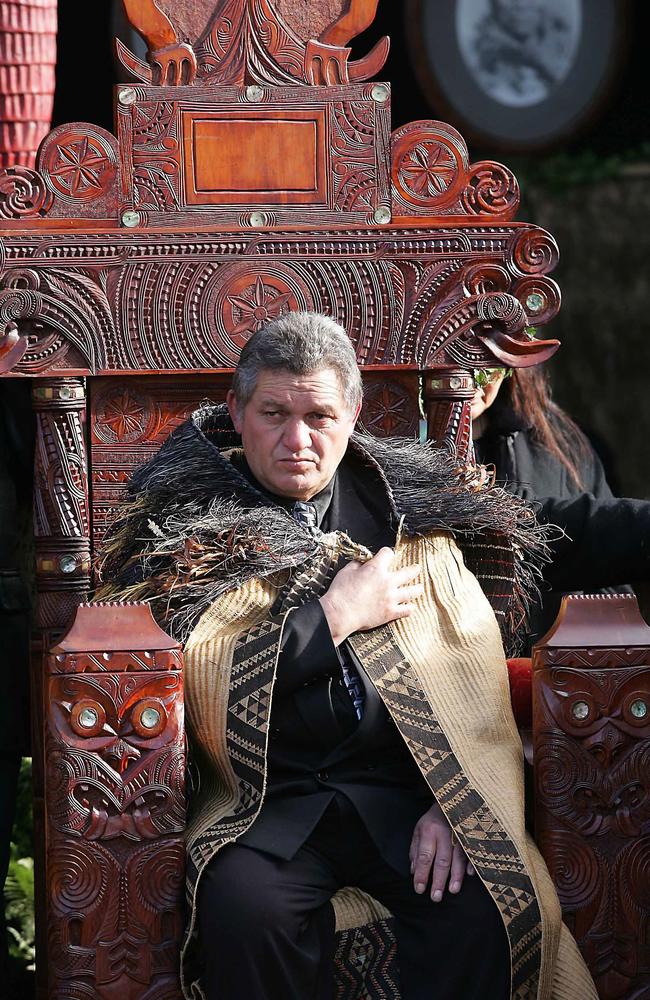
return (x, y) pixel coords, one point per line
(242, 157)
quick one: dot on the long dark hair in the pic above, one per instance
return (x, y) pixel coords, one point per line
(530, 397)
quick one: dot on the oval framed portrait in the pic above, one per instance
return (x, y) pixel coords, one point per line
(519, 74)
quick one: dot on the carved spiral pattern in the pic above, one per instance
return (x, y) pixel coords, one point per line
(492, 190)
(633, 871)
(19, 303)
(22, 278)
(503, 308)
(575, 868)
(558, 762)
(23, 194)
(534, 252)
(78, 876)
(546, 291)
(158, 874)
(478, 279)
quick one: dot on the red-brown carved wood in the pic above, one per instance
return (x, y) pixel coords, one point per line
(591, 719)
(62, 549)
(251, 41)
(253, 170)
(114, 785)
(27, 62)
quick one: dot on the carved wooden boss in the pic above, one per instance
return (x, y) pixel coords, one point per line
(253, 171)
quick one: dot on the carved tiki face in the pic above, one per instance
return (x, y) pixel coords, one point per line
(115, 753)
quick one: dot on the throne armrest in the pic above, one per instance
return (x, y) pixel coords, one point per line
(115, 805)
(591, 735)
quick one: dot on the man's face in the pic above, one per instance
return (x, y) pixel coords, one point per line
(295, 430)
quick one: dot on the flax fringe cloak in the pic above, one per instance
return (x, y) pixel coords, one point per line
(441, 673)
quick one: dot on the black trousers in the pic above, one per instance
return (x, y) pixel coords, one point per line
(267, 927)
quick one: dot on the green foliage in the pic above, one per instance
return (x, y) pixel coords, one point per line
(558, 172)
(19, 910)
(483, 376)
(19, 885)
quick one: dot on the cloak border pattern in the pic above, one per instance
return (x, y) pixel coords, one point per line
(484, 840)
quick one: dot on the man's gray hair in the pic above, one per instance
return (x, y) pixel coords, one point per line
(300, 343)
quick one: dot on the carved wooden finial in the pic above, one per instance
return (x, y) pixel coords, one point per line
(276, 42)
(114, 626)
(596, 620)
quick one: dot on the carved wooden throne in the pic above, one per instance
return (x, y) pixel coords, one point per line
(252, 171)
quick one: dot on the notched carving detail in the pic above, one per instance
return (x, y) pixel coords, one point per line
(156, 156)
(482, 330)
(116, 777)
(115, 770)
(354, 162)
(71, 309)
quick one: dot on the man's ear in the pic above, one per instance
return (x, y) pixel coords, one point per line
(234, 410)
(356, 413)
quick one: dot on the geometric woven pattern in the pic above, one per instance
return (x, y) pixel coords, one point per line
(365, 963)
(484, 840)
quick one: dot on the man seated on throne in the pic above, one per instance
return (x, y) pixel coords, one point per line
(343, 602)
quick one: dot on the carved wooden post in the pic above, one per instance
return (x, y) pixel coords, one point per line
(62, 539)
(61, 512)
(448, 395)
(27, 61)
(591, 721)
(114, 790)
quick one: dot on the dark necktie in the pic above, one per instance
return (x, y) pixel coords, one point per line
(305, 514)
(352, 680)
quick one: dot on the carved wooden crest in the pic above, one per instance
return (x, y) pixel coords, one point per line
(251, 41)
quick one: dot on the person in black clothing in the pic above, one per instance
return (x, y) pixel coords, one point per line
(540, 454)
(344, 804)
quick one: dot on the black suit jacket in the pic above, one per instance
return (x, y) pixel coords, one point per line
(317, 747)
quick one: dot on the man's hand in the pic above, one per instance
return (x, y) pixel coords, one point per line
(432, 845)
(365, 595)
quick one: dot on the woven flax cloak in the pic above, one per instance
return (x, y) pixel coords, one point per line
(223, 567)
